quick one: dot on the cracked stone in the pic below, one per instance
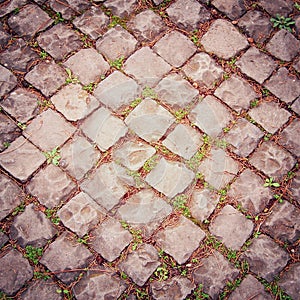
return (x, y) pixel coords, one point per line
(109, 239)
(257, 65)
(248, 190)
(74, 102)
(266, 259)
(140, 264)
(214, 42)
(51, 186)
(170, 178)
(121, 8)
(49, 130)
(117, 91)
(66, 254)
(104, 128)
(232, 8)
(37, 235)
(21, 159)
(9, 131)
(210, 116)
(203, 69)
(281, 7)
(289, 282)
(231, 227)
(272, 160)
(180, 240)
(7, 81)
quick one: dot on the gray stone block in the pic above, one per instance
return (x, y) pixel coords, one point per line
(7, 81)
(232, 8)
(289, 282)
(122, 9)
(281, 7)
(287, 137)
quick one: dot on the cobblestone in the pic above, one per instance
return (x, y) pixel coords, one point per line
(290, 281)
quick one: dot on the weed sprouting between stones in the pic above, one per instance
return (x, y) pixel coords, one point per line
(136, 234)
(283, 22)
(180, 204)
(149, 93)
(33, 254)
(117, 63)
(53, 156)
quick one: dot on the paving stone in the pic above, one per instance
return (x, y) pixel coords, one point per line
(202, 204)
(37, 235)
(78, 156)
(236, 92)
(121, 8)
(21, 104)
(21, 159)
(295, 187)
(175, 91)
(232, 8)
(231, 227)
(219, 168)
(15, 270)
(250, 288)
(214, 42)
(51, 186)
(257, 65)
(210, 116)
(266, 259)
(283, 222)
(289, 282)
(296, 106)
(281, 7)
(297, 24)
(42, 289)
(296, 64)
(9, 131)
(284, 86)
(3, 239)
(175, 48)
(248, 190)
(273, 119)
(283, 45)
(11, 195)
(287, 137)
(48, 77)
(104, 128)
(69, 8)
(115, 43)
(49, 130)
(66, 254)
(176, 288)
(170, 178)
(4, 36)
(180, 240)
(29, 20)
(7, 81)
(272, 160)
(203, 69)
(93, 22)
(88, 65)
(8, 7)
(80, 214)
(107, 185)
(117, 91)
(146, 26)
(18, 56)
(215, 271)
(74, 102)
(183, 141)
(59, 41)
(109, 239)
(149, 120)
(256, 25)
(133, 154)
(243, 137)
(140, 264)
(188, 14)
(144, 211)
(146, 66)
(99, 285)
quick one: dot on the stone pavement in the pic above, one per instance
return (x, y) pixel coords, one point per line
(149, 149)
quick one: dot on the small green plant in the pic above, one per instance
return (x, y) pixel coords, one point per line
(136, 234)
(65, 292)
(297, 5)
(135, 102)
(265, 92)
(117, 63)
(195, 38)
(162, 272)
(43, 54)
(271, 183)
(89, 87)
(18, 209)
(33, 254)
(226, 129)
(116, 20)
(180, 114)
(180, 204)
(58, 18)
(86, 42)
(267, 136)
(21, 125)
(137, 178)
(84, 240)
(141, 294)
(232, 62)
(226, 76)
(16, 10)
(51, 214)
(149, 93)
(150, 163)
(6, 144)
(278, 198)
(254, 103)
(53, 156)
(44, 103)
(124, 276)
(41, 275)
(71, 78)
(282, 22)
(199, 294)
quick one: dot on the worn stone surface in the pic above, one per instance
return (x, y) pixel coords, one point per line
(281, 7)
(236, 92)
(257, 65)
(109, 239)
(4, 36)
(140, 264)
(203, 69)
(289, 282)
(66, 254)
(7, 81)
(295, 187)
(188, 14)
(271, 121)
(248, 190)
(3, 239)
(214, 278)
(170, 178)
(51, 186)
(123, 8)
(296, 106)
(9, 131)
(232, 8)
(272, 160)
(10, 6)
(284, 86)
(180, 239)
(243, 137)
